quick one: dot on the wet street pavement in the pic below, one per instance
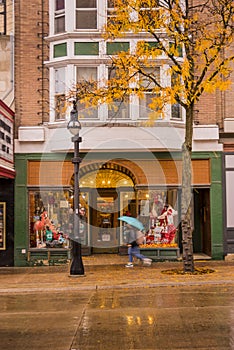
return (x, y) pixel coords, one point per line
(156, 318)
(114, 308)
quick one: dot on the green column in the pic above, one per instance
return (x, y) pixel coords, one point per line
(21, 211)
(216, 205)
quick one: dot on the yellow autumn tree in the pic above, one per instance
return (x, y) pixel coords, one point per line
(193, 39)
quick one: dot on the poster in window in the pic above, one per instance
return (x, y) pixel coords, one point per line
(2, 226)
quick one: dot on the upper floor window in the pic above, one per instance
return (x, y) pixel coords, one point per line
(86, 76)
(147, 82)
(110, 10)
(86, 14)
(3, 18)
(113, 48)
(87, 48)
(60, 100)
(119, 107)
(148, 13)
(59, 17)
(176, 109)
(60, 50)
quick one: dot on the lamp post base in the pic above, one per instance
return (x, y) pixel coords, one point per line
(75, 276)
(77, 267)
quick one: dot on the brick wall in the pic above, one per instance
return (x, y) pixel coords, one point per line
(31, 77)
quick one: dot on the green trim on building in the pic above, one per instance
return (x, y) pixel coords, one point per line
(21, 211)
(216, 206)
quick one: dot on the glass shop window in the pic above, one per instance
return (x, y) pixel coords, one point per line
(158, 211)
(51, 218)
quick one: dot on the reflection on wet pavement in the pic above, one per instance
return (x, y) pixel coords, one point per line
(163, 318)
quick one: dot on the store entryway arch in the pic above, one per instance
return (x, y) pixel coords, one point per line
(107, 191)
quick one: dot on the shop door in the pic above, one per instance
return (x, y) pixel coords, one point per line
(202, 230)
(104, 221)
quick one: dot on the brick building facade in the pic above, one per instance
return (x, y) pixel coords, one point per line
(52, 50)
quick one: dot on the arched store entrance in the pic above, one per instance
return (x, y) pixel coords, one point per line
(106, 192)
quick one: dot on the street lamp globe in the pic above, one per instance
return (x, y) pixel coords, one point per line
(74, 125)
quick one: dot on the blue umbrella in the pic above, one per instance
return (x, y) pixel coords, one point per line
(133, 222)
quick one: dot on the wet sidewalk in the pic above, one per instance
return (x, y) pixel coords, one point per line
(117, 307)
(106, 271)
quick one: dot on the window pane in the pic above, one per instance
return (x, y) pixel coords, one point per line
(60, 50)
(110, 3)
(87, 113)
(59, 24)
(59, 5)
(86, 3)
(119, 110)
(87, 74)
(59, 80)
(86, 48)
(149, 4)
(146, 81)
(176, 111)
(115, 48)
(55, 205)
(60, 107)
(230, 198)
(144, 110)
(176, 50)
(86, 19)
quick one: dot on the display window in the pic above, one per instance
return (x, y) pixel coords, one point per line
(51, 218)
(159, 214)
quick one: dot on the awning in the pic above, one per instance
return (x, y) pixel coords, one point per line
(7, 172)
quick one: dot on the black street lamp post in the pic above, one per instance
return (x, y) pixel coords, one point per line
(74, 126)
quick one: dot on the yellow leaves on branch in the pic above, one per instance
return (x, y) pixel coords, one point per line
(212, 86)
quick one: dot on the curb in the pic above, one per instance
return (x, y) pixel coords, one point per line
(113, 286)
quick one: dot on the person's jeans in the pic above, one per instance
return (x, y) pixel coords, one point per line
(134, 251)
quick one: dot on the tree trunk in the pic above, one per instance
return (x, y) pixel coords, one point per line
(186, 198)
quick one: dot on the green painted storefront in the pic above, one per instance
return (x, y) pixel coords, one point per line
(213, 190)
